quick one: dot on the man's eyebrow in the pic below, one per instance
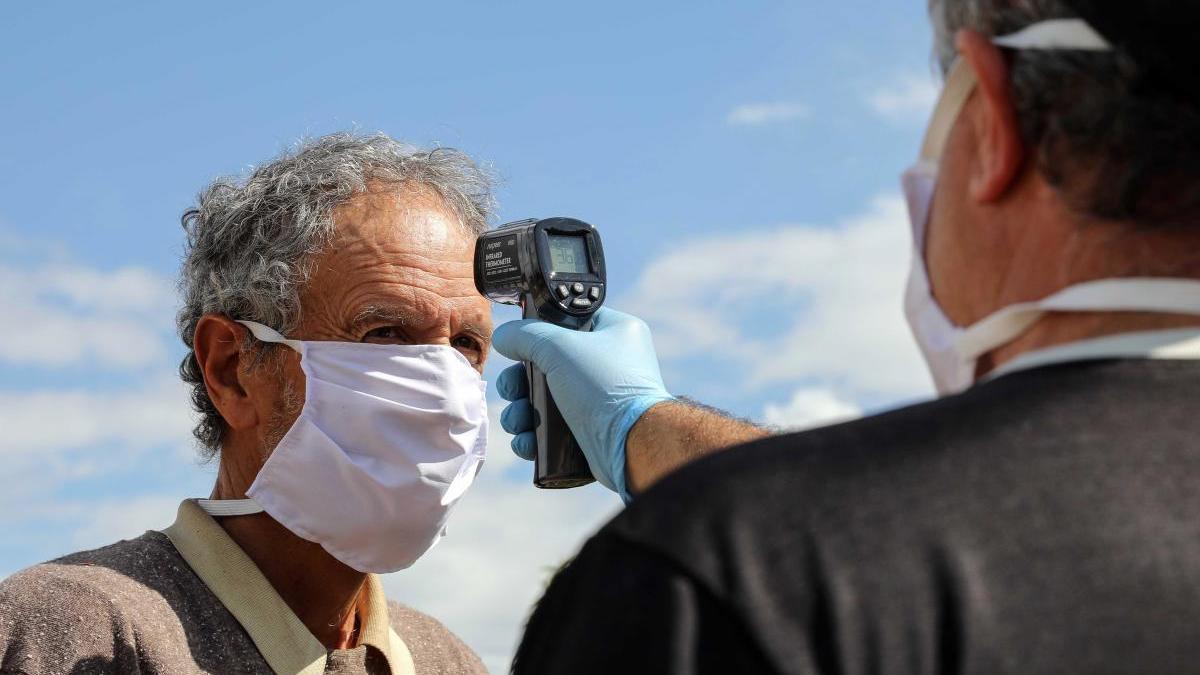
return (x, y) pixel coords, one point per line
(407, 318)
(375, 314)
(482, 331)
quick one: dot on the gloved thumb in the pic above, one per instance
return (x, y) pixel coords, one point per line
(527, 340)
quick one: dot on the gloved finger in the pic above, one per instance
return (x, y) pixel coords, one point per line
(526, 339)
(512, 383)
(525, 445)
(518, 417)
(606, 319)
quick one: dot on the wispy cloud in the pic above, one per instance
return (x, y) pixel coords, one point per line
(112, 520)
(83, 443)
(761, 114)
(839, 287)
(907, 98)
(811, 407)
(36, 422)
(57, 315)
(83, 458)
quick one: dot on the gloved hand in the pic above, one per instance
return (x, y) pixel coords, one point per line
(602, 381)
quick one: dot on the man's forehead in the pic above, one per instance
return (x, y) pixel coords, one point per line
(400, 257)
(405, 214)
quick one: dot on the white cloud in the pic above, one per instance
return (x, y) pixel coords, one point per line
(837, 289)
(46, 526)
(86, 467)
(60, 315)
(504, 541)
(908, 98)
(39, 422)
(56, 313)
(759, 114)
(129, 289)
(58, 441)
(811, 407)
(111, 521)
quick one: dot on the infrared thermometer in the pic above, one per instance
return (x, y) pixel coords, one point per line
(554, 269)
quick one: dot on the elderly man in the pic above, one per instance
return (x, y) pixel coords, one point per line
(1043, 516)
(342, 446)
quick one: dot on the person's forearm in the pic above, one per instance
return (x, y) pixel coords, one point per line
(674, 433)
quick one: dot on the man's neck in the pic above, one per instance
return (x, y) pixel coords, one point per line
(325, 594)
(1061, 328)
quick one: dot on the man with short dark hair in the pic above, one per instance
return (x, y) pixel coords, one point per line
(1043, 515)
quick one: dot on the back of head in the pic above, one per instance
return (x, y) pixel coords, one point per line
(1117, 133)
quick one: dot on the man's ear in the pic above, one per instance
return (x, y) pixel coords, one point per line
(1000, 150)
(218, 346)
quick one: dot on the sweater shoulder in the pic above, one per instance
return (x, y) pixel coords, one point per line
(94, 580)
(434, 648)
(83, 607)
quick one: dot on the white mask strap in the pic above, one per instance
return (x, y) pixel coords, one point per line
(960, 82)
(229, 507)
(1055, 34)
(1166, 296)
(245, 507)
(268, 334)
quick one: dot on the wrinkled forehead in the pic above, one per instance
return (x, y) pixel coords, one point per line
(413, 215)
(396, 247)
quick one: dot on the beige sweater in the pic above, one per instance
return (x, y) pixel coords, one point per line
(138, 606)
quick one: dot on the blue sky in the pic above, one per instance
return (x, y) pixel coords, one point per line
(741, 154)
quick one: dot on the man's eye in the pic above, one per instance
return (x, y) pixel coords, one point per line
(384, 334)
(466, 342)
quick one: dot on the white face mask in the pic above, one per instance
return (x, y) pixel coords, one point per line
(388, 440)
(952, 352)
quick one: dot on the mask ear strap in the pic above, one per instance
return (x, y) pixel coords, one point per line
(267, 334)
(229, 507)
(1056, 34)
(1128, 294)
(960, 82)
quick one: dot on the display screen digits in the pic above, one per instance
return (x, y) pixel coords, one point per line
(568, 254)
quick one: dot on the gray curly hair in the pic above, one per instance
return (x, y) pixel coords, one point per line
(250, 241)
(1115, 146)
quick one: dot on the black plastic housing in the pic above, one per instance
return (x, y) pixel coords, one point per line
(515, 265)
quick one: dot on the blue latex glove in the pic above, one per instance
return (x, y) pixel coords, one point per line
(602, 381)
